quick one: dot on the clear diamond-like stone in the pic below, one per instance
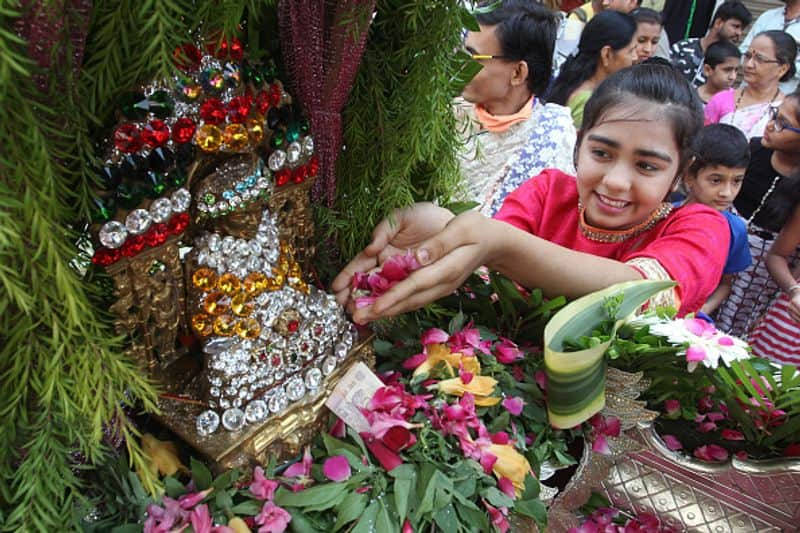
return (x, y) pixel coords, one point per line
(308, 145)
(295, 389)
(214, 241)
(160, 210)
(276, 160)
(138, 221)
(256, 411)
(233, 419)
(113, 234)
(181, 200)
(278, 402)
(313, 378)
(293, 153)
(329, 365)
(228, 244)
(207, 423)
(340, 350)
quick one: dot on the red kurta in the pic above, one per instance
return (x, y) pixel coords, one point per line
(690, 245)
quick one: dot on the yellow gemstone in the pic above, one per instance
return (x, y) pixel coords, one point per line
(255, 127)
(212, 303)
(204, 279)
(294, 271)
(255, 283)
(224, 326)
(236, 138)
(240, 306)
(283, 265)
(229, 284)
(248, 328)
(202, 324)
(208, 137)
(301, 286)
(275, 282)
(192, 92)
(286, 249)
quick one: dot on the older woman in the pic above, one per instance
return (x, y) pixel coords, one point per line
(768, 61)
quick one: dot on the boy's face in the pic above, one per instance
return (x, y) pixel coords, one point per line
(723, 76)
(715, 186)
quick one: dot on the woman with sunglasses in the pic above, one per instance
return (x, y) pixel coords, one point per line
(768, 61)
(769, 196)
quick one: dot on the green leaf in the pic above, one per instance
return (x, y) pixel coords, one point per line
(404, 487)
(532, 488)
(226, 479)
(533, 508)
(457, 323)
(470, 514)
(201, 475)
(223, 499)
(128, 528)
(300, 523)
(446, 518)
(497, 498)
(382, 347)
(468, 19)
(366, 524)
(248, 508)
(349, 509)
(173, 487)
(335, 446)
(461, 207)
(317, 498)
(501, 422)
(384, 521)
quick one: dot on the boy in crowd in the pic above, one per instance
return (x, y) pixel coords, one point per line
(720, 65)
(728, 24)
(714, 178)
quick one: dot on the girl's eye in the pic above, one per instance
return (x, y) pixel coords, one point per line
(599, 153)
(716, 181)
(647, 167)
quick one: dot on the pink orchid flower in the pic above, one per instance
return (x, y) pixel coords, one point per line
(273, 519)
(261, 487)
(514, 405)
(672, 442)
(188, 501)
(200, 517)
(498, 517)
(711, 453)
(507, 351)
(165, 519)
(336, 468)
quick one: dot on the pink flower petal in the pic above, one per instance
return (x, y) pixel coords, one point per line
(507, 352)
(414, 361)
(695, 354)
(672, 407)
(725, 341)
(541, 379)
(514, 405)
(365, 301)
(261, 487)
(434, 336)
(715, 416)
(498, 517)
(600, 445)
(506, 486)
(487, 461)
(711, 453)
(613, 426)
(466, 377)
(338, 429)
(200, 518)
(336, 468)
(273, 519)
(706, 427)
(501, 437)
(407, 527)
(672, 442)
(732, 434)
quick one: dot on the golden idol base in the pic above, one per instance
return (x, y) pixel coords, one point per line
(282, 435)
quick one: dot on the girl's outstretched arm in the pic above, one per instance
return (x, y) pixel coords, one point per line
(778, 262)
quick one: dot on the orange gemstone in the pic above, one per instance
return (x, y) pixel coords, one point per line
(204, 278)
(240, 306)
(229, 284)
(255, 127)
(301, 286)
(212, 303)
(249, 328)
(208, 137)
(255, 283)
(202, 324)
(275, 282)
(224, 326)
(236, 138)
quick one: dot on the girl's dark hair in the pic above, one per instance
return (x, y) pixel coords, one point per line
(646, 86)
(785, 50)
(646, 15)
(719, 145)
(526, 32)
(719, 52)
(607, 28)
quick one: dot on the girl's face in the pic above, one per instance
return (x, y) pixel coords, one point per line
(627, 164)
(646, 39)
(778, 135)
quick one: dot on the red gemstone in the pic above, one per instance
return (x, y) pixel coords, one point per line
(274, 95)
(292, 326)
(300, 174)
(187, 57)
(283, 176)
(236, 50)
(133, 246)
(106, 256)
(183, 130)
(212, 111)
(127, 139)
(218, 47)
(238, 109)
(156, 133)
(156, 235)
(276, 360)
(262, 356)
(262, 102)
(177, 224)
(313, 166)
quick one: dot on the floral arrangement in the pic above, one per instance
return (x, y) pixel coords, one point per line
(601, 517)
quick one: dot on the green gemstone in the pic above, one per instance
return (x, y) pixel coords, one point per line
(134, 106)
(160, 104)
(304, 126)
(156, 185)
(293, 132)
(156, 267)
(177, 177)
(129, 196)
(209, 199)
(277, 139)
(252, 74)
(103, 210)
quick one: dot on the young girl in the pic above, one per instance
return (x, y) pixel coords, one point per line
(777, 335)
(770, 193)
(606, 46)
(575, 236)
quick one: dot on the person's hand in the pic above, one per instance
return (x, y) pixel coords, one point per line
(794, 305)
(404, 229)
(447, 259)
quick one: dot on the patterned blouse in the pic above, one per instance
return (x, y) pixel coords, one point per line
(495, 164)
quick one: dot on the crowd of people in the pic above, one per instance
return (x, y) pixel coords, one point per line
(611, 141)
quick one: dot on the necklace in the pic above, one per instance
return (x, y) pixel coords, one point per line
(764, 198)
(739, 100)
(609, 236)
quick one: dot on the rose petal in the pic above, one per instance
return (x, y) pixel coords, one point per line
(732, 434)
(434, 336)
(600, 445)
(672, 442)
(506, 486)
(514, 405)
(336, 468)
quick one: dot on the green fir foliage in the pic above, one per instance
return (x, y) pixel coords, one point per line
(62, 373)
(400, 134)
